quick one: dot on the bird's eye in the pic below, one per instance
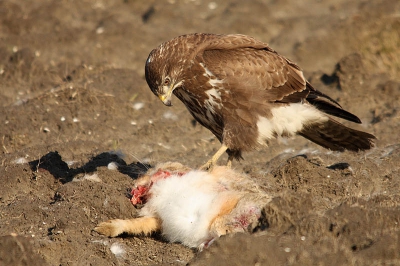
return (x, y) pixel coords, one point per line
(167, 81)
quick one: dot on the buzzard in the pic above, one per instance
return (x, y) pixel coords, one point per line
(246, 94)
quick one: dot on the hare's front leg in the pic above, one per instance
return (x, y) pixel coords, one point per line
(136, 226)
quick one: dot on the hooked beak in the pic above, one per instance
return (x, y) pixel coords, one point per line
(166, 98)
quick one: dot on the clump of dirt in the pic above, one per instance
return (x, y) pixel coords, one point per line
(74, 103)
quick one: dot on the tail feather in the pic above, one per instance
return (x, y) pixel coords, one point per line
(327, 105)
(337, 137)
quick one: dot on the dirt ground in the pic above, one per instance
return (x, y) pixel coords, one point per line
(73, 98)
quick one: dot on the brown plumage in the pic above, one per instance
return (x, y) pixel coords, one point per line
(245, 93)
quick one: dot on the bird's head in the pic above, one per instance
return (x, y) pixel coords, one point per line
(162, 76)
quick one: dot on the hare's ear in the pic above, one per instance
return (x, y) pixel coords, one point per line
(143, 180)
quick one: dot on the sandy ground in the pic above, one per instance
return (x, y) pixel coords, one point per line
(73, 98)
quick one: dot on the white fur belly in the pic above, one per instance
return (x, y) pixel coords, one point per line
(288, 120)
(185, 205)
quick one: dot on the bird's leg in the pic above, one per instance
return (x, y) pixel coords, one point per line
(229, 163)
(214, 159)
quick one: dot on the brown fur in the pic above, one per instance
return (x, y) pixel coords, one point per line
(136, 226)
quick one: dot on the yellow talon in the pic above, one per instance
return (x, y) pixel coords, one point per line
(210, 164)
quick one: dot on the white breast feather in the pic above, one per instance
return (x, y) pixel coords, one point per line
(213, 94)
(288, 119)
(213, 80)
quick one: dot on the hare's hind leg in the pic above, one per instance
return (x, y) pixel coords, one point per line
(136, 226)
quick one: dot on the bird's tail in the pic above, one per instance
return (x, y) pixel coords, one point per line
(337, 137)
(328, 105)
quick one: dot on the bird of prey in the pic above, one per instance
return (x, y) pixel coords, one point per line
(246, 94)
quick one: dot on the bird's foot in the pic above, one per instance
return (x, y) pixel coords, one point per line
(210, 164)
(207, 166)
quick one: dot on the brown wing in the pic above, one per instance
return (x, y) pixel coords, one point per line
(250, 81)
(245, 64)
